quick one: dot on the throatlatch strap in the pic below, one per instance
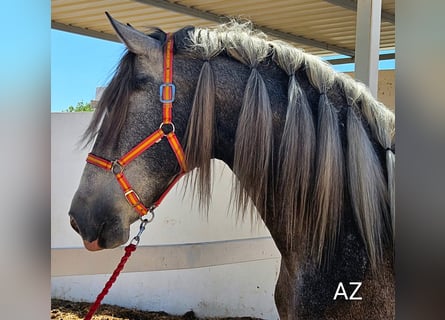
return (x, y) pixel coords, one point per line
(177, 149)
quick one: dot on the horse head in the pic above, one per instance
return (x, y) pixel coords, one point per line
(129, 111)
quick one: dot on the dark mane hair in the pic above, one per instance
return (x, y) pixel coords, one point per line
(111, 111)
(113, 105)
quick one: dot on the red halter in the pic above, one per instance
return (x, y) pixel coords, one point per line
(166, 129)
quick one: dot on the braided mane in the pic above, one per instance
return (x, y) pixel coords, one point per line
(313, 171)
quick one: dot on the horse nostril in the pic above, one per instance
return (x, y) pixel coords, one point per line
(74, 224)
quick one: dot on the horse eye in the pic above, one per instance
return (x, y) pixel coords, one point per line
(141, 81)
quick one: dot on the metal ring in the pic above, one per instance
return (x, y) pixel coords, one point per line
(116, 167)
(150, 218)
(167, 123)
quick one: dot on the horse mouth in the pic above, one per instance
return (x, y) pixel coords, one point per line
(97, 244)
(90, 246)
(74, 225)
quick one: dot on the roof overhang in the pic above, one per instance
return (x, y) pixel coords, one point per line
(319, 27)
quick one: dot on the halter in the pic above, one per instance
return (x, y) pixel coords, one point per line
(166, 129)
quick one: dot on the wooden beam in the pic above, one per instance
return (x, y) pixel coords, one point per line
(179, 8)
(111, 37)
(85, 32)
(352, 5)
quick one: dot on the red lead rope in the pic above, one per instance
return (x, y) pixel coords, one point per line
(167, 96)
(128, 251)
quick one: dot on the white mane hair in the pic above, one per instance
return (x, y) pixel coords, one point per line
(314, 172)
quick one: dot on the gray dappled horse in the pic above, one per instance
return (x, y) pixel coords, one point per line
(310, 147)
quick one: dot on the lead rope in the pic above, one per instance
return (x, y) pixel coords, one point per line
(129, 249)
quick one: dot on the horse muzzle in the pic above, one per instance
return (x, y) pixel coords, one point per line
(91, 246)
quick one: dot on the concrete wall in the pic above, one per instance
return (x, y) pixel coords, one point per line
(387, 91)
(386, 88)
(217, 266)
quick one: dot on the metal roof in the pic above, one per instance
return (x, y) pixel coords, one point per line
(320, 27)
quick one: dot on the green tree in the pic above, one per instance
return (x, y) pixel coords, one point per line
(81, 107)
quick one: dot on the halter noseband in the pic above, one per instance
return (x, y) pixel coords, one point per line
(166, 129)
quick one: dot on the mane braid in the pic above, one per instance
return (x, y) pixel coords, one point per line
(199, 136)
(367, 189)
(253, 146)
(329, 182)
(254, 137)
(382, 123)
(203, 44)
(297, 150)
(296, 164)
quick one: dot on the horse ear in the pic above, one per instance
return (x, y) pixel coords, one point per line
(136, 41)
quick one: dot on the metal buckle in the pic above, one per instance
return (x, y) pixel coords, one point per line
(116, 167)
(161, 91)
(128, 199)
(166, 131)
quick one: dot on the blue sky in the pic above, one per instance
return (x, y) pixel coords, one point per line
(79, 64)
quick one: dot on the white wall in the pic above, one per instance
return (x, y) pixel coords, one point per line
(217, 266)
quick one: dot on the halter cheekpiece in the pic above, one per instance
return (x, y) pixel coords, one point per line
(166, 129)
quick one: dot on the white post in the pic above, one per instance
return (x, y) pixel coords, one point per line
(367, 43)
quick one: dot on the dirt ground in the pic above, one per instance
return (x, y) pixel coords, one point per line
(69, 310)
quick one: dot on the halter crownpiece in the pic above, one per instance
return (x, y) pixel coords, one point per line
(166, 129)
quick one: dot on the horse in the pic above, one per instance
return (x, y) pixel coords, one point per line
(312, 151)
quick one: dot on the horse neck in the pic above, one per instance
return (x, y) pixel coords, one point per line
(230, 82)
